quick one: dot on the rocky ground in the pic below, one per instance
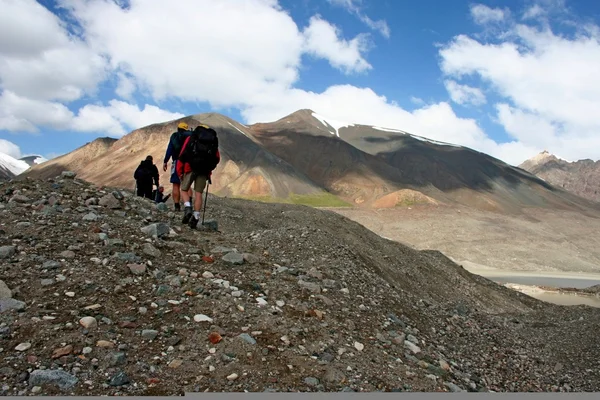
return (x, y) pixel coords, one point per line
(103, 293)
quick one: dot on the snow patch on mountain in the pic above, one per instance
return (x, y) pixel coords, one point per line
(421, 138)
(12, 165)
(332, 123)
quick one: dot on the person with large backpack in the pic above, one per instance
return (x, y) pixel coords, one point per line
(198, 158)
(173, 150)
(145, 174)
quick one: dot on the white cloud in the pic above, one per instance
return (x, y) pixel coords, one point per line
(126, 86)
(10, 148)
(119, 117)
(39, 59)
(322, 40)
(354, 7)
(19, 113)
(483, 14)
(548, 84)
(464, 94)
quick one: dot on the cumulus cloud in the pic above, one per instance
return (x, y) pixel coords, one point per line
(547, 82)
(39, 59)
(18, 113)
(464, 94)
(119, 115)
(322, 40)
(10, 148)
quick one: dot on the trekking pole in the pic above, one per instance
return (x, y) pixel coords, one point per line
(205, 201)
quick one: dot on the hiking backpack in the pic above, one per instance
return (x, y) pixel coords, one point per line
(177, 141)
(201, 150)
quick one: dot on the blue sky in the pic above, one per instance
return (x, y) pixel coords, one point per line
(508, 81)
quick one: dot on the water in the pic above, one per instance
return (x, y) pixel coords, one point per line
(550, 279)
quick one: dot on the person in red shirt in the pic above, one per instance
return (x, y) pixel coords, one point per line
(199, 156)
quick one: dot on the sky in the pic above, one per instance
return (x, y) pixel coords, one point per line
(507, 78)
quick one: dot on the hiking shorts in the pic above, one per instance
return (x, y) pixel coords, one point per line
(198, 180)
(174, 177)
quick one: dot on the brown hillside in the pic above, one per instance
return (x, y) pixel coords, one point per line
(581, 177)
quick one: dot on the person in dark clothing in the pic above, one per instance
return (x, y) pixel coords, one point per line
(145, 174)
(159, 196)
(173, 149)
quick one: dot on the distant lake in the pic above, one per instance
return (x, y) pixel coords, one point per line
(551, 279)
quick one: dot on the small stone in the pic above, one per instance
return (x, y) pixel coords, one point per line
(233, 258)
(23, 346)
(250, 258)
(444, 365)
(51, 264)
(68, 174)
(311, 381)
(149, 334)
(280, 303)
(150, 250)
(91, 217)
(207, 275)
(453, 388)
(93, 307)
(88, 322)
(119, 380)
(70, 294)
(333, 375)
(86, 350)
(137, 269)
(7, 305)
(5, 292)
(63, 351)
(117, 359)
(175, 364)
(211, 368)
(412, 347)
(47, 282)
(36, 389)
(7, 251)
(359, 346)
(236, 293)
(247, 338)
(261, 301)
(310, 286)
(202, 318)
(159, 230)
(232, 377)
(110, 201)
(56, 377)
(214, 337)
(105, 344)
(412, 339)
(67, 254)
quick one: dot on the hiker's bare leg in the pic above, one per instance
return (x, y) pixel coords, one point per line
(197, 201)
(176, 193)
(186, 196)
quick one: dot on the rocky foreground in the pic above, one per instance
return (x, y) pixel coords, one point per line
(103, 293)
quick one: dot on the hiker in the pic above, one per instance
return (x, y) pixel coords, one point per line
(173, 151)
(158, 195)
(144, 175)
(198, 158)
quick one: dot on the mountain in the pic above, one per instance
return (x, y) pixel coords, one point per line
(378, 166)
(580, 177)
(310, 159)
(246, 168)
(33, 159)
(11, 167)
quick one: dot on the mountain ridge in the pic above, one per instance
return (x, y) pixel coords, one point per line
(307, 155)
(581, 177)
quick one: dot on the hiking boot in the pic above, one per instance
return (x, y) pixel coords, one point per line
(193, 222)
(177, 207)
(188, 213)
